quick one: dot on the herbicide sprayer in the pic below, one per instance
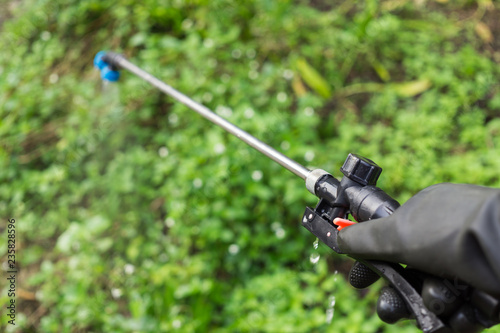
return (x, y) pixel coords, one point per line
(355, 194)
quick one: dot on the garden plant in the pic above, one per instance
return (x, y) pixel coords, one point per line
(133, 214)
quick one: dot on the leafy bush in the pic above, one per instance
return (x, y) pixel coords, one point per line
(137, 215)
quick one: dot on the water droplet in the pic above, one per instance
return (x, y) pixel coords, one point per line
(257, 175)
(316, 244)
(314, 258)
(163, 151)
(330, 310)
(233, 249)
(309, 111)
(197, 183)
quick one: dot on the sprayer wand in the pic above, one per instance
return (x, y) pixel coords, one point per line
(354, 194)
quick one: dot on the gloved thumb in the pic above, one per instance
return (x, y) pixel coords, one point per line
(447, 230)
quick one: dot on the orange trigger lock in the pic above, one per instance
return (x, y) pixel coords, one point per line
(342, 223)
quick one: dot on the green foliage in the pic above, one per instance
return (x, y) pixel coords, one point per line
(137, 215)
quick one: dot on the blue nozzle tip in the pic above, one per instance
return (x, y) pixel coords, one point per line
(110, 75)
(107, 73)
(98, 61)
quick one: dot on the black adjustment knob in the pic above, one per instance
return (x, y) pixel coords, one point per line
(361, 170)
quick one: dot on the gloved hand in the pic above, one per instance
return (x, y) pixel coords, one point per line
(449, 236)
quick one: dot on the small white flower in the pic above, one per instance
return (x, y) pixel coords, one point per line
(251, 53)
(45, 36)
(186, 24)
(253, 75)
(219, 148)
(254, 64)
(173, 119)
(207, 97)
(257, 175)
(197, 183)
(223, 111)
(309, 156)
(249, 113)
(212, 62)
(288, 74)
(281, 97)
(177, 323)
(116, 293)
(233, 249)
(53, 78)
(208, 43)
(163, 151)
(285, 145)
(309, 111)
(280, 233)
(129, 269)
(236, 54)
(169, 222)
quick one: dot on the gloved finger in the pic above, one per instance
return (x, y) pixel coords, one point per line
(464, 320)
(488, 306)
(360, 276)
(440, 297)
(391, 307)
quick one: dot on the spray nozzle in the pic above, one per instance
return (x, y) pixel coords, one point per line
(108, 71)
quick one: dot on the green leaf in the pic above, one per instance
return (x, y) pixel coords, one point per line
(411, 88)
(312, 78)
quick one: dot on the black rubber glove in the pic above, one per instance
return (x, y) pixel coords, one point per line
(449, 231)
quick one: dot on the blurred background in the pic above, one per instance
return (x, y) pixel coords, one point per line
(134, 214)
